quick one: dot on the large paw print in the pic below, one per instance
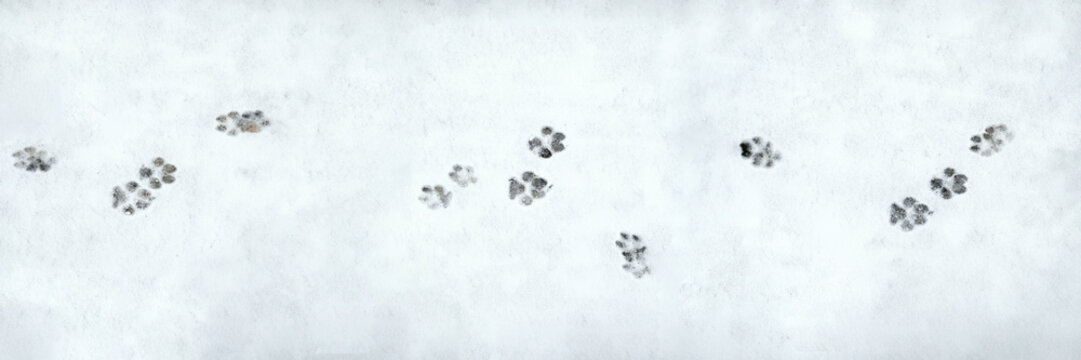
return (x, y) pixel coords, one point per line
(634, 254)
(538, 187)
(912, 214)
(992, 140)
(435, 196)
(953, 183)
(463, 175)
(548, 143)
(31, 159)
(131, 197)
(760, 152)
(249, 122)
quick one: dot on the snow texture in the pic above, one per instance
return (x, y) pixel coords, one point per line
(305, 240)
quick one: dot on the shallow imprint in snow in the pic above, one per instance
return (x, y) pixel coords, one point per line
(633, 254)
(548, 143)
(537, 186)
(760, 152)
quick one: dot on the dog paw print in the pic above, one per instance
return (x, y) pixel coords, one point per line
(952, 183)
(548, 143)
(760, 152)
(131, 197)
(249, 122)
(910, 214)
(991, 141)
(538, 187)
(157, 173)
(435, 196)
(463, 175)
(634, 254)
(31, 159)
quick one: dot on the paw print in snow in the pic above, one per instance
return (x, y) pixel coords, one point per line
(130, 197)
(992, 140)
(953, 183)
(911, 214)
(760, 152)
(249, 122)
(634, 253)
(463, 175)
(31, 159)
(435, 196)
(158, 173)
(538, 187)
(548, 143)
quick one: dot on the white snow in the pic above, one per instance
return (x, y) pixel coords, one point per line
(307, 241)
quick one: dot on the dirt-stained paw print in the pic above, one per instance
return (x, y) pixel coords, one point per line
(130, 198)
(548, 143)
(991, 141)
(910, 214)
(235, 122)
(156, 173)
(953, 183)
(633, 254)
(530, 188)
(760, 152)
(31, 159)
(462, 175)
(435, 196)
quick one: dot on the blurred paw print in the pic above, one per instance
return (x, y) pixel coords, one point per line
(463, 175)
(952, 183)
(435, 196)
(249, 122)
(31, 159)
(548, 143)
(760, 152)
(911, 214)
(538, 187)
(991, 141)
(136, 196)
(634, 254)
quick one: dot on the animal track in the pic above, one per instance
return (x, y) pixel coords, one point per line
(538, 187)
(132, 197)
(31, 159)
(953, 183)
(158, 173)
(463, 175)
(634, 253)
(912, 214)
(435, 196)
(760, 152)
(249, 122)
(992, 140)
(548, 143)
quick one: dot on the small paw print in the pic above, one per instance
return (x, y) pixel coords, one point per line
(953, 183)
(157, 173)
(463, 175)
(249, 122)
(548, 143)
(435, 196)
(31, 159)
(538, 187)
(131, 197)
(634, 254)
(760, 152)
(912, 213)
(991, 141)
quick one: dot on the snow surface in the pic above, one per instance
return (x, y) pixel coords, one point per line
(307, 240)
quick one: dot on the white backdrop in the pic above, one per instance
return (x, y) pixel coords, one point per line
(307, 240)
